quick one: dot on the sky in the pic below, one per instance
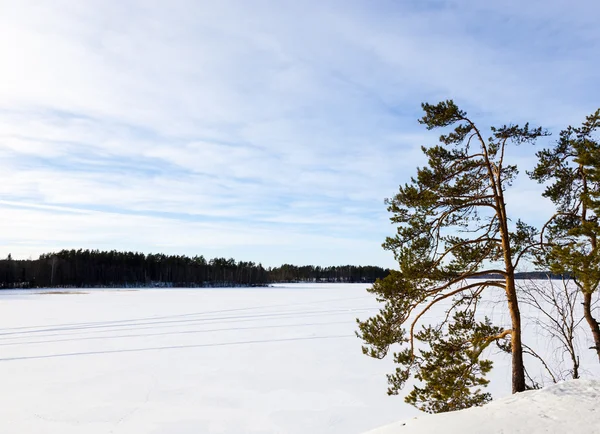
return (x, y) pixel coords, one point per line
(267, 131)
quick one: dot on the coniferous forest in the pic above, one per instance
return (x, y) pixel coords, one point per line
(94, 268)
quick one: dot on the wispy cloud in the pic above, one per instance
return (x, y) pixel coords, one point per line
(264, 130)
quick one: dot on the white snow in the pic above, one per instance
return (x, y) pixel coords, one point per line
(567, 407)
(191, 361)
(279, 360)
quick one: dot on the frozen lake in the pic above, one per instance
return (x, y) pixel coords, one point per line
(282, 359)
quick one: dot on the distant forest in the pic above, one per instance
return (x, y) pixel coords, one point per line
(94, 268)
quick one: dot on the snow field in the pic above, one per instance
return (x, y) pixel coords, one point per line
(283, 359)
(248, 360)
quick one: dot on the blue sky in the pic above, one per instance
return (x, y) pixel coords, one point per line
(269, 131)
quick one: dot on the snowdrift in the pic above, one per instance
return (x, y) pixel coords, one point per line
(568, 407)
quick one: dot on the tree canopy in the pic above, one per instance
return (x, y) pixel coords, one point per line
(571, 170)
(452, 226)
(88, 268)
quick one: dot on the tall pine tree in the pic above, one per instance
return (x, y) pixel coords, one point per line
(572, 168)
(453, 241)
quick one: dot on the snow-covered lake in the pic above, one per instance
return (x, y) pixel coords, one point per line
(282, 359)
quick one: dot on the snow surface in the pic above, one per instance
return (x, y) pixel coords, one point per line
(282, 359)
(191, 361)
(567, 407)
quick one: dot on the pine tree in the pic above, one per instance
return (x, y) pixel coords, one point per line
(453, 227)
(571, 236)
(452, 371)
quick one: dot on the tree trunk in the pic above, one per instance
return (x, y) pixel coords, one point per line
(587, 313)
(518, 369)
(575, 361)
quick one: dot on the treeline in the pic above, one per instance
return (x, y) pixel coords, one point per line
(310, 273)
(94, 268)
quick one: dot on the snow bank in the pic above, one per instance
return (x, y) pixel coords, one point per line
(568, 407)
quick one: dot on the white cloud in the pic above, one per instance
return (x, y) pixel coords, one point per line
(194, 125)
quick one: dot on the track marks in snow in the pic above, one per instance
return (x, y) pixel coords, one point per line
(175, 333)
(329, 318)
(176, 347)
(208, 312)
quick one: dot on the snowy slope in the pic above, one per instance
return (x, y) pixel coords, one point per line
(568, 407)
